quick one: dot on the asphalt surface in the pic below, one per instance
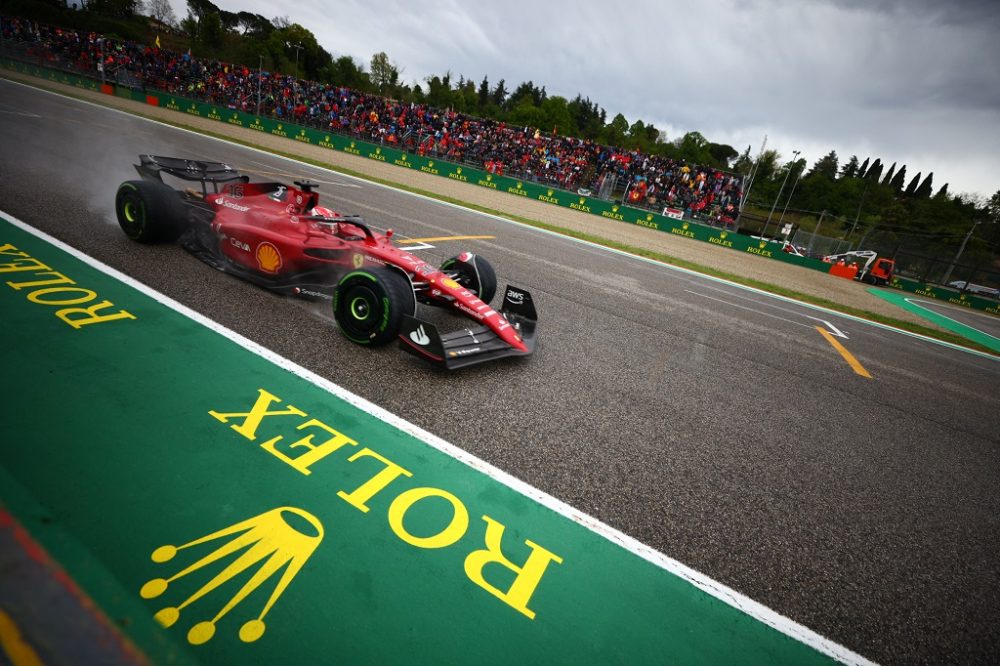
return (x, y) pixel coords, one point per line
(714, 424)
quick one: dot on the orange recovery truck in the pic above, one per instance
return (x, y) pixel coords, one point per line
(864, 265)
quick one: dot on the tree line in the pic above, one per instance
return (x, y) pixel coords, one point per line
(861, 199)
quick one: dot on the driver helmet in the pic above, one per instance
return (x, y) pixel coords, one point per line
(322, 211)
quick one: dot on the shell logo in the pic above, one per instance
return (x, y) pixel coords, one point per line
(268, 258)
(358, 260)
(448, 282)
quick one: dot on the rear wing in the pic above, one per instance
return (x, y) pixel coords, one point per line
(153, 166)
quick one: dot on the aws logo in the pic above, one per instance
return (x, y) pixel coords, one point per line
(280, 540)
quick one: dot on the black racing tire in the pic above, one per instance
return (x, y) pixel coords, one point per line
(369, 305)
(474, 273)
(149, 212)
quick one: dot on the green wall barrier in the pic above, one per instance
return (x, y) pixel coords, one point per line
(946, 295)
(484, 179)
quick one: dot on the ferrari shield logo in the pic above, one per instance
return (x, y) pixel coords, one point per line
(359, 260)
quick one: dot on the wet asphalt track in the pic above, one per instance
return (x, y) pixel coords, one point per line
(711, 423)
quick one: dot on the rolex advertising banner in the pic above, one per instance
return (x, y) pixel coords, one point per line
(224, 506)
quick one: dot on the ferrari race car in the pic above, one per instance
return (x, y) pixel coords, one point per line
(277, 236)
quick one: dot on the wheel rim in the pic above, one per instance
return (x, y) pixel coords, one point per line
(361, 311)
(131, 212)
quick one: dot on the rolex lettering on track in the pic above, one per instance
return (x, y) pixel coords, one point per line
(235, 508)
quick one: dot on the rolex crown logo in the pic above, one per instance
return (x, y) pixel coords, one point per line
(280, 539)
(548, 193)
(519, 186)
(489, 177)
(614, 209)
(762, 244)
(685, 226)
(582, 200)
(723, 235)
(649, 218)
(458, 170)
(378, 151)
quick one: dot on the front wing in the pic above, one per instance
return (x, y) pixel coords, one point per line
(471, 346)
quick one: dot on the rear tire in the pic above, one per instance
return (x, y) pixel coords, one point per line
(149, 212)
(474, 273)
(369, 305)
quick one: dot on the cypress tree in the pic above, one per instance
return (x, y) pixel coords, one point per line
(864, 168)
(942, 193)
(912, 187)
(926, 187)
(898, 180)
(888, 176)
(875, 171)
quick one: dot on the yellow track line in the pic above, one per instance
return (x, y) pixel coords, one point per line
(848, 356)
(445, 238)
(14, 646)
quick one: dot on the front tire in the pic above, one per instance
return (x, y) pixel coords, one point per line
(149, 212)
(474, 273)
(369, 305)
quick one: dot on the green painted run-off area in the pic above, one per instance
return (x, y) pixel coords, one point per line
(175, 473)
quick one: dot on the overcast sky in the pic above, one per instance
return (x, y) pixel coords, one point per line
(910, 81)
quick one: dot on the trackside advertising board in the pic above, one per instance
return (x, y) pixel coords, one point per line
(242, 510)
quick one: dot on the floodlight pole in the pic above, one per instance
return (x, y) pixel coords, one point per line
(951, 267)
(795, 155)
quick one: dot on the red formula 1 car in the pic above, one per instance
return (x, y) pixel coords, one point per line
(277, 236)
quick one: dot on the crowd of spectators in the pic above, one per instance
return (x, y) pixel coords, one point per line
(564, 162)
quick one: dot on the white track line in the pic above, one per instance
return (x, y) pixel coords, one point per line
(722, 592)
(699, 580)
